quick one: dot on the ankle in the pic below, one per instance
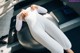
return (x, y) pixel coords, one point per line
(69, 51)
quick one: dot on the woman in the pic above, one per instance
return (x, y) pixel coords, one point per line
(43, 30)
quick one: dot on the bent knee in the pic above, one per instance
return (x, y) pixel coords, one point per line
(68, 46)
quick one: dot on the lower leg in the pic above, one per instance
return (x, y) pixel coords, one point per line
(59, 36)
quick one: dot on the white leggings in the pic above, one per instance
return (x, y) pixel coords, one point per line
(50, 36)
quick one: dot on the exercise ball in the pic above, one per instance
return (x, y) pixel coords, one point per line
(26, 40)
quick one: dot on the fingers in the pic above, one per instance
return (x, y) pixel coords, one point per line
(24, 13)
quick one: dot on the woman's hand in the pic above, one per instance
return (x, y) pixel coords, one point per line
(24, 13)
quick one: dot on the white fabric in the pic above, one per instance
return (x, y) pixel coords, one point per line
(42, 9)
(18, 22)
(46, 32)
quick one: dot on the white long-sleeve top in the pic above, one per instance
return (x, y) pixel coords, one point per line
(19, 21)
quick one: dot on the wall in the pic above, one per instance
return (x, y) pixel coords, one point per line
(74, 5)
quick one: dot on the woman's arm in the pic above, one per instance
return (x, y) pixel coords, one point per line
(39, 8)
(42, 10)
(18, 22)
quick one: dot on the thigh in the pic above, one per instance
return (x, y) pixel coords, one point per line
(52, 19)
